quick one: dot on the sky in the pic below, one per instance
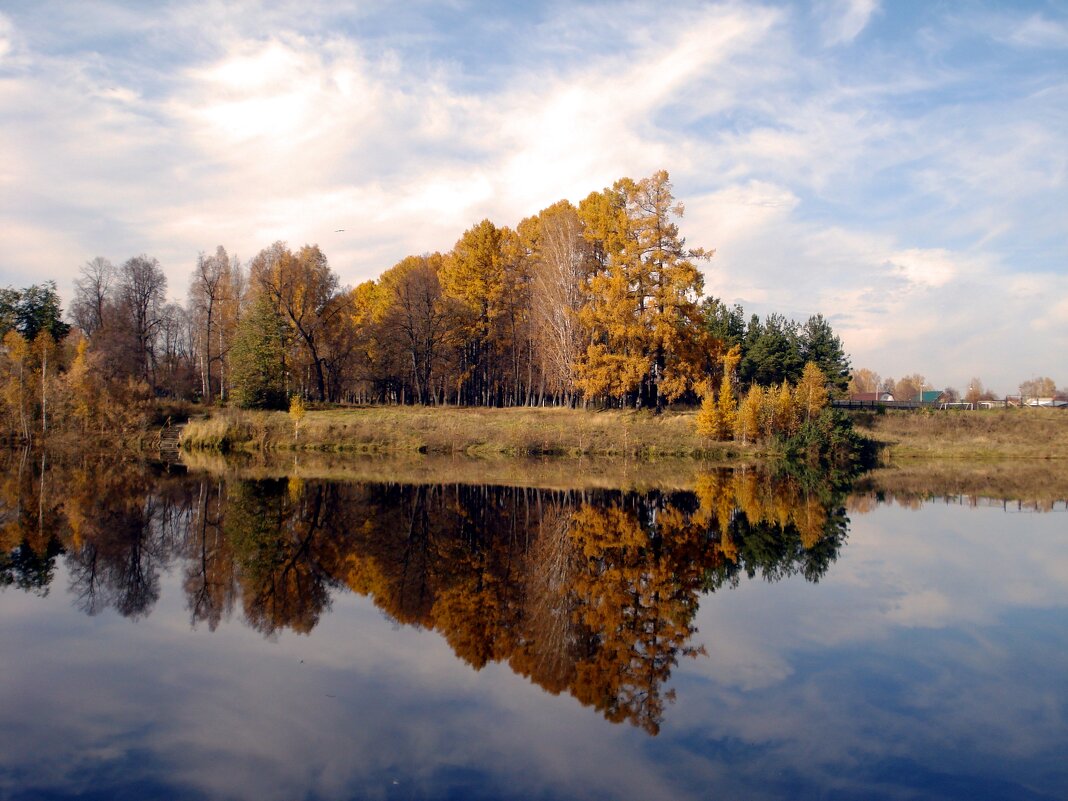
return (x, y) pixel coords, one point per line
(900, 167)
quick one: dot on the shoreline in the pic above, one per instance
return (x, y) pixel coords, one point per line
(474, 432)
(986, 436)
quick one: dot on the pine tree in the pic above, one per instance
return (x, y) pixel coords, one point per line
(258, 358)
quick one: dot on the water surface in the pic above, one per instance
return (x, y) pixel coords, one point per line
(194, 635)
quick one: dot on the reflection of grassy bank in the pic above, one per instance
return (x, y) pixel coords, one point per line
(1034, 481)
(988, 434)
(543, 473)
(474, 432)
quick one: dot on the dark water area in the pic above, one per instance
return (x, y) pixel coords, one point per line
(173, 634)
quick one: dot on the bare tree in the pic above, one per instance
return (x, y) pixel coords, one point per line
(1041, 387)
(92, 291)
(141, 296)
(557, 295)
(214, 301)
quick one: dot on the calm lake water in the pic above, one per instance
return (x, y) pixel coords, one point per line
(183, 635)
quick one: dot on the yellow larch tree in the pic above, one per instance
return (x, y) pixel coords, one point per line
(811, 393)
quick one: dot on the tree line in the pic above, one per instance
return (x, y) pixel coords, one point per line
(864, 380)
(600, 303)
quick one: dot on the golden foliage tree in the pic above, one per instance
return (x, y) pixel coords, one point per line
(811, 395)
(641, 313)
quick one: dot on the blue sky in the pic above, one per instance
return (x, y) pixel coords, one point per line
(900, 167)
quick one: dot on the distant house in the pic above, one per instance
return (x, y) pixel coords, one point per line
(872, 397)
(931, 396)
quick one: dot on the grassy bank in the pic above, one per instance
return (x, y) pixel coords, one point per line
(972, 435)
(581, 473)
(472, 432)
(1039, 482)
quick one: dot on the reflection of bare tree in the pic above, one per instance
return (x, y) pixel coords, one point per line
(119, 565)
(124, 529)
(548, 648)
(210, 580)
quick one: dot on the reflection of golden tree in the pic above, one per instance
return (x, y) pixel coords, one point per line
(638, 596)
(593, 593)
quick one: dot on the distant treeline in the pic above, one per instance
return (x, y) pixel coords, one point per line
(595, 304)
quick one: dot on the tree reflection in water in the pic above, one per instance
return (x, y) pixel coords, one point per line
(589, 592)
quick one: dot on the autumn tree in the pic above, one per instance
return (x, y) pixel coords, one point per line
(911, 387)
(84, 387)
(976, 391)
(811, 395)
(214, 301)
(415, 317)
(303, 289)
(747, 425)
(141, 298)
(1041, 387)
(642, 314)
(718, 414)
(473, 275)
(864, 380)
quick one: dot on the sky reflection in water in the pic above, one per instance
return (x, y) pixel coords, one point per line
(930, 659)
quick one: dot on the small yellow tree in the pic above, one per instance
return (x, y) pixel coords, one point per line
(811, 393)
(709, 421)
(747, 423)
(297, 411)
(727, 407)
(784, 411)
(83, 388)
(718, 412)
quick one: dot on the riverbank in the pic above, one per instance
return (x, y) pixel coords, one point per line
(546, 473)
(1038, 482)
(472, 432)
(984, 435)
(514, 432)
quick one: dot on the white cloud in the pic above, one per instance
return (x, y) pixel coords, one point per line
(1038, 31)
(843, 20)
(6, 45)
(903, 209)
(924, 268)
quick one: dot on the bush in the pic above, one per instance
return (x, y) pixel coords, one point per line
(829, 440)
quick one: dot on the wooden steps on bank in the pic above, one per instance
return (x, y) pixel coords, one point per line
(170, 438)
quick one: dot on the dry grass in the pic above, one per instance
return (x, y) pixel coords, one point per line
(983, 435)
(1036, 481)
(472, 432)
(543, 473)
